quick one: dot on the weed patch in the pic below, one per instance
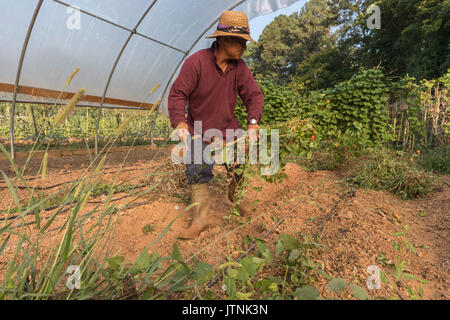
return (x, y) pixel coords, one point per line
(383, 169)
(437, 160)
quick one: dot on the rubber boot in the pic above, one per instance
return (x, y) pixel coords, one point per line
(245, 206)
(201, 219)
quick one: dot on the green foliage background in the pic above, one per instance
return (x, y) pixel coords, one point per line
(328, 41)
(364, 106)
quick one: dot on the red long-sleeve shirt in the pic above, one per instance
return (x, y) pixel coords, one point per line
(212, 94)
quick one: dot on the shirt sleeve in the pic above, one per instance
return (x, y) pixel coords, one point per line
(180, 92)
(250, 93)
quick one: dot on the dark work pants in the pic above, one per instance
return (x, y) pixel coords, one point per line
(197, 173)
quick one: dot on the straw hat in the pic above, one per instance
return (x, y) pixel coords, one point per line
(233, 23)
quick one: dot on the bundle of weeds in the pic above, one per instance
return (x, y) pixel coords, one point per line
(172, 183)
(384, 169)
(175, 184)
(220, 179)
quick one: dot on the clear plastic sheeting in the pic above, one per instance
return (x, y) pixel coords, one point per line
(54, 51)
(95, 40)
(122, 12)
(12, 35)
(168, 22)
(143, 65)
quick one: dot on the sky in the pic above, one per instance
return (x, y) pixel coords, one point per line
(258, 24)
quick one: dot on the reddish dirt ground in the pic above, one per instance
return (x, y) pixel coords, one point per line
(356, 226)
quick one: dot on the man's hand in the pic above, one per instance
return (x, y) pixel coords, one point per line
(182, 130)
(253, 132)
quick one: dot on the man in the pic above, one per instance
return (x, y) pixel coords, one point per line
(209, 81)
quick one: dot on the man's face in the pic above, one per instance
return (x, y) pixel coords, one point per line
(235, 47)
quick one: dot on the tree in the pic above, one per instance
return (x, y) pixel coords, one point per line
(271, 57)
(290, 40)
(325, 68)
(329, 40)
(413, 38)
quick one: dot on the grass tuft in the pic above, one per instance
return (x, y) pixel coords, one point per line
(437, 160)
(384, 169)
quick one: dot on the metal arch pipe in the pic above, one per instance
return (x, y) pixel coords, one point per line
(182, 59)
(132, 32)
(19, 70)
